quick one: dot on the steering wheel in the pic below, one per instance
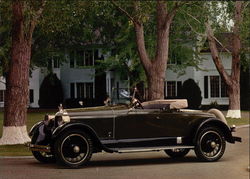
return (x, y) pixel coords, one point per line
(136, 103)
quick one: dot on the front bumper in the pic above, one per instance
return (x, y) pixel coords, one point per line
(40, 148)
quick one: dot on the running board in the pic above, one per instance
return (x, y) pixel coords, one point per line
(149, 149)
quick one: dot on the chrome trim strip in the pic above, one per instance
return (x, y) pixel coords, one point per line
(137, 140)
(130, 150)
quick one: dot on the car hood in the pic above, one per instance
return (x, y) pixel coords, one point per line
(100, 111)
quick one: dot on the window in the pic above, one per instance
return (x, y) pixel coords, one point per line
(84, 58)
(89, 58)
(80, 90)
(84, 90)
(214, 87)
(173, 88)
(31, 95)
(56, 62)
(89, 90)
(2, 93)
(80, 58)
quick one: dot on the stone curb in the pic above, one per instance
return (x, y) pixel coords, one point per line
(30, 157)
(15, 157)
(242, 126)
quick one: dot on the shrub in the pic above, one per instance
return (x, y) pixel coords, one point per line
(214, 104)
(191, 91)
(51, 93)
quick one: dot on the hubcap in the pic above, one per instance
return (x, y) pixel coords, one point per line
(74, 148)
(211, 144)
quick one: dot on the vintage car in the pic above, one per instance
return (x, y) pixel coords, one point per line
(71, 136)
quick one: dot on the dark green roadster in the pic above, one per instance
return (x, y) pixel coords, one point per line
(70, 137)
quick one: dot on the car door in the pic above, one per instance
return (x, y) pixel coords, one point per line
(149, 127)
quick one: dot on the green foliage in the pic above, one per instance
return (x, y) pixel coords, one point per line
(214, 104)
(120, 36)
(51, 92)
(5, 36)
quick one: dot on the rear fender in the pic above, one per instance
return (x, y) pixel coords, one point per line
(213, 122)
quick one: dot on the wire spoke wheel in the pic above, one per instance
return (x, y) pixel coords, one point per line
(210, 144)
(73, 149)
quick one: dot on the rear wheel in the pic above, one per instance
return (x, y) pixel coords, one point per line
(73, 149)
(177, 153)
(210, 144)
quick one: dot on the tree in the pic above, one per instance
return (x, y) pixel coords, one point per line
(155, 66)
(25, 15)
(232, 80)
(211, 19)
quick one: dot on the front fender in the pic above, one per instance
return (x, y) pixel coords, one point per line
(83, 127)
(68, 126)
(34, 128)
(220, 125)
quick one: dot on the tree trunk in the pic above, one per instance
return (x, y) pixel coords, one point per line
(156, 79)
(155, 69)
(17, 88)
(234, 101)
(232, 81)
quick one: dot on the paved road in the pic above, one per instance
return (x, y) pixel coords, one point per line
(155, 165)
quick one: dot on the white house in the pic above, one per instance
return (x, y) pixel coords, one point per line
(78, 78)
(213, 89)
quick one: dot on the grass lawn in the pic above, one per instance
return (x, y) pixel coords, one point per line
(20, 150)
(34, 117)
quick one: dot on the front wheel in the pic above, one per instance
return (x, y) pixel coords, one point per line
(210, 144)
(177, 153)
(44, 157)
(73, 149)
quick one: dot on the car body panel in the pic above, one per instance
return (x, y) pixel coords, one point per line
(114, 128)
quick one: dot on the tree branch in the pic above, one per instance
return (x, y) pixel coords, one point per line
(198, 33)
(171, 14)
(140, 41)
(215, 54)
(221, 44)
(245, 5)
(125, 12)
(35, 18)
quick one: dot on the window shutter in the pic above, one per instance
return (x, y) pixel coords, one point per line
(72, 90)
(179, 89)
(205, 86)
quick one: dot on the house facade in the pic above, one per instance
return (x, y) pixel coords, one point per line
(80, 80)
(212, 87)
